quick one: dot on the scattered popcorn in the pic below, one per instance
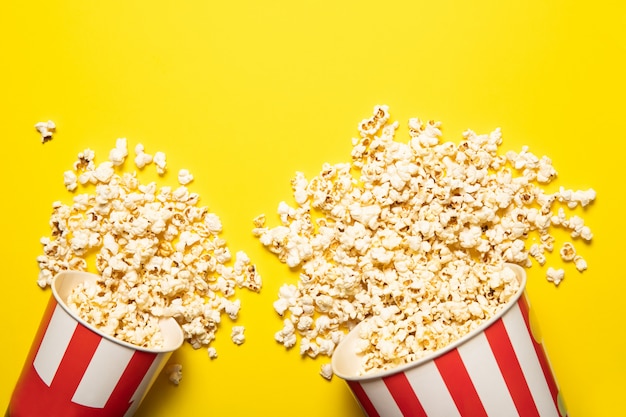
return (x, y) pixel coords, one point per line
(70, 180)
(326, 371)
(160, 162)
(555, 275)
(415, 237)
(580, 263)
(537, 251)
(118, 155)
(574, 198)
(174, 373)
(231, 308)
(237, 335)
(568, 252)
(184, 176)
(85, 162)
(46, 129)
(158, 253)
(141, 157)
(212, 352)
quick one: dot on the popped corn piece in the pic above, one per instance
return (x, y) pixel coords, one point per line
(585, 233)
(118, 155)
(141, 157)
(246, 274)
(231, 308)
(184, 176)
(174, 373)
(212, 352)
(546, 173)
(237, 335)
(326, 371)
(574, 198)
(537, 251)
(287, 298)
(580, 262)
(70, 180)
(103, 172)
(286, 336)
(414, 237)
(370, 126)
(46, 130)
(567, 252)
(213, 223)
(259, 221)
(85, 160)
(555, 275)
(160, 161)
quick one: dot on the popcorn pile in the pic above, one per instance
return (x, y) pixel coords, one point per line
(416, 237)
(157, 251)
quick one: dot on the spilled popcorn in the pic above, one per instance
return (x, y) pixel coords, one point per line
(158, 252)
(174, 373)
(46, 130)
(415, 236)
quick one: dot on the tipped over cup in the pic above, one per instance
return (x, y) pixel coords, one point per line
(499, 369)
(75, 370)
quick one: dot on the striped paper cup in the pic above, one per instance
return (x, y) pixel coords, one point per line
(499, 370)
(75, 370)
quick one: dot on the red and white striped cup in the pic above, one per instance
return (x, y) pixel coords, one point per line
(75, 370)
(499, 369)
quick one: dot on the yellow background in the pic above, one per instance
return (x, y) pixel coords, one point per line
(244, 93)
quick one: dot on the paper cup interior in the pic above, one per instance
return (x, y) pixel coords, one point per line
(347, 363)
(65, 281)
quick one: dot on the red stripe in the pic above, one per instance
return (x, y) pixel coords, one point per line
(74, 363)
(511, 370)
(29, 394)
(541, 354)
(402, 392)
(543, 360)
(460, 385)
(120, 400)
(363, 399)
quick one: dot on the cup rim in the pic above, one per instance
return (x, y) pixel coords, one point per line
(520, 272)
(84, 276)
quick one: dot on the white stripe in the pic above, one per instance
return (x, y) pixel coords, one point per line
(531, 368)
(102, 375)
(485, 374)
(54, 344)
(145, 384)
(431, 390)
(379, 395)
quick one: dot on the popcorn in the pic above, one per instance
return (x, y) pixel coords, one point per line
(326, 371)
(231, 308)
(70, 180)
(555, 275)
(141, 157)
(414, 237)
(212, 352)
(580, 262)
(537, 252)
(174, 373)
(160, 161)
(46, 129)
(574, 198)
(118, 155)
(237, 335)
(158, 254)
(184, 176)
(568, 252)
